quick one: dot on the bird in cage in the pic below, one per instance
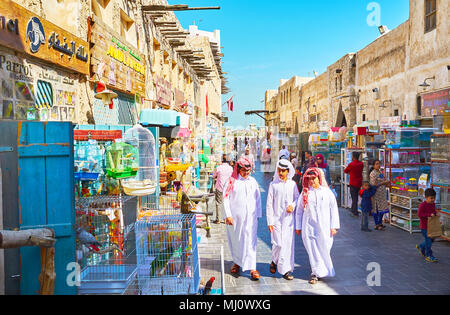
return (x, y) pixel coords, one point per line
(88, 239)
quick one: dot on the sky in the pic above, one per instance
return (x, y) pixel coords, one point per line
(265, 41)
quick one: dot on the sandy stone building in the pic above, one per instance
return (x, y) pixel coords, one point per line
(145, 56)
(391, 69)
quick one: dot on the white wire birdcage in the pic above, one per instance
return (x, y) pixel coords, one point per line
(145, 181)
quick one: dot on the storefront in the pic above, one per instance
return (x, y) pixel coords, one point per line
(40, 65)
(122, 68)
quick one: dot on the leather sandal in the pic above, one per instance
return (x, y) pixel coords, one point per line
(288, 276)
(235, 269)
(255, 275)
(273, 268)
(313, 280)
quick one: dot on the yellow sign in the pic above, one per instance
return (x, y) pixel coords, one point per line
(126, 59)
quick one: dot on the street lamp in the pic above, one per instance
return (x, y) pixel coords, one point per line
(425, 84)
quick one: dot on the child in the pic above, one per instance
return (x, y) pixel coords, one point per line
(366, 193)
(427, 209)
(281, 202)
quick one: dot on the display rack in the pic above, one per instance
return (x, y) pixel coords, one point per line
(403, 168)
(440, 178)
(404, 212)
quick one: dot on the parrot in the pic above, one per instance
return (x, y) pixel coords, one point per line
(208, 286)
(162, 260)
(88, 239)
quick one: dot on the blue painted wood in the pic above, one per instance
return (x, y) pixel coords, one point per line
(46, 195)
(35, 150)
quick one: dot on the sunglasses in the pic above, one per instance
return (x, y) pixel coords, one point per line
(282, 170)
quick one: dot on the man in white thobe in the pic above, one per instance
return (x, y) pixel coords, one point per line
(242, 205)
(281, 202)
(284, 153)
(317, 220)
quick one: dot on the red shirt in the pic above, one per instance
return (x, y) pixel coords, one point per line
(425, 211)
(355, 169)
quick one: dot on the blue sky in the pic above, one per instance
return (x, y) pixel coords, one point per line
(265, 41)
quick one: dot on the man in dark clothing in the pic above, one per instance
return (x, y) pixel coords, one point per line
(308, 155)
(355, 170)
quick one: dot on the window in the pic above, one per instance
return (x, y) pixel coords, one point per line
(430, 15)
(364, 117)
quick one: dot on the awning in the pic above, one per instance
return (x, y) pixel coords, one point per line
(159, 117)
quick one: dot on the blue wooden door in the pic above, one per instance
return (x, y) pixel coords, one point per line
(46, 198)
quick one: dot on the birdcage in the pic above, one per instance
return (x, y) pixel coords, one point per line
(144, 182)
(164, 204)
(122, 160)
(167, 255)
(106, 249)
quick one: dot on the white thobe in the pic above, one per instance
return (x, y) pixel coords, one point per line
(316, 221)
(244, 206)
(281, 195)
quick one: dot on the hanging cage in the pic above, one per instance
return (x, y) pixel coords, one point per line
(144, 182)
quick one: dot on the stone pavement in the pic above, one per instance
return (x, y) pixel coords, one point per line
(403, 270)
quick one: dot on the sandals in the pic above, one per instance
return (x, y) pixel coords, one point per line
(288, 276)
(273, 268)
(235, 269)
(255, 275)
(314, 280)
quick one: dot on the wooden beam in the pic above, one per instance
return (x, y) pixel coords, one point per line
(36, 237)
(177, 7)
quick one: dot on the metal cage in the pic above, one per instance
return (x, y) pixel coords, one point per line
(167, 255)
(111, 267)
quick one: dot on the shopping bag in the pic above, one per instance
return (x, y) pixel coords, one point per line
(434, 227)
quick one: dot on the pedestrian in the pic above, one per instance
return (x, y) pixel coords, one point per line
(355, 169)
(366, 193)
(324, 166)
(242, 205)
(380, 204)
(306, 162)
(283, 154)
(298, 178)
(294, 160)
(281, 202)
(249, 156)
(427, 209)
(317, 221)
(222, 173)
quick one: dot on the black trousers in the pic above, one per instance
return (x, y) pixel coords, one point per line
(354, 192)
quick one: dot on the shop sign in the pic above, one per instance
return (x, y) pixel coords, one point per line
(34, 91)
(436, 103)
(390, 122)
(23, 31)
(115, 62)
(163, 91)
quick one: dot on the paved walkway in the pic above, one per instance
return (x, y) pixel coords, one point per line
(403, 270)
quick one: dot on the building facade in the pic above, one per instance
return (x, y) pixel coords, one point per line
(402, 75)
(146, 57)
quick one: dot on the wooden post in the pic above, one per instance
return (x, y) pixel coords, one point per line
(48, 275)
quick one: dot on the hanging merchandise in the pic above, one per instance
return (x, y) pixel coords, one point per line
(144, 183)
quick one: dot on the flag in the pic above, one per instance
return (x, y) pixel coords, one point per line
(207, 109)
(230, 104)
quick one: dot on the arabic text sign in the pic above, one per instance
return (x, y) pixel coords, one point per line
(25, 32)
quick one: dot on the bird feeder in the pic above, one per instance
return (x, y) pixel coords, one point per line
(145, 181)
